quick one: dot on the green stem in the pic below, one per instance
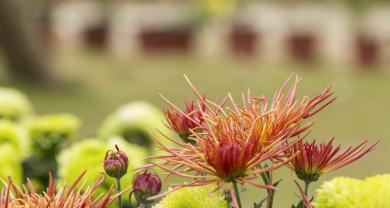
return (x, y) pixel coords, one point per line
(270, 199)
(118, 181)
(237, 194)
(307, 184)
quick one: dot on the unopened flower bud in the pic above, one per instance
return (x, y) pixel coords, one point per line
(145, 185)
(116, 163)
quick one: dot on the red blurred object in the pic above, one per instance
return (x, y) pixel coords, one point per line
(243, 40)
(367, 50)
(46, 31)
(302, 47)
(96, 35)
(170, 39)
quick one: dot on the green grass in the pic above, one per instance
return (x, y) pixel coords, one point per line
(94, 84)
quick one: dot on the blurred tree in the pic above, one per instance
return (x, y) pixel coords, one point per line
(25, 55)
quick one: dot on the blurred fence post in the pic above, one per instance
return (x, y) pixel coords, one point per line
(25, 55)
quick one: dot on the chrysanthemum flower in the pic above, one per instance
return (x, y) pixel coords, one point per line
(14, 105)
(49, 132)
(343, 192)
(340, 192)
(13, 134)
(283, 117)
(10, 163)
(192, 118)
(134, 122)
(183, 122)
(314, 160)
(66, 196)
(194, 197)
(232, 144)
(223, 154)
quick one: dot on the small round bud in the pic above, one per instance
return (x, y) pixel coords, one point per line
(145, 185)
(116, 163)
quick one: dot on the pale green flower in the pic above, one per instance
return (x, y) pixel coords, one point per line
(14, 105)
(48, 132)
(61, 124)
(10, 164)
(136, 122)
(89, 155)
(342, 192)
(194, 197)
(11, 133)
(376, 192)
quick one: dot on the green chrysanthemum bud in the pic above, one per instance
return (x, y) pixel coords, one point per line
(193, 197)
(116, 163)
(14, 105)
(10, 164)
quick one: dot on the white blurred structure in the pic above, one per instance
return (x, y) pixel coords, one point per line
(269, 21)
(376, 25)
(268, 31)
(130, 20)
(71, 19)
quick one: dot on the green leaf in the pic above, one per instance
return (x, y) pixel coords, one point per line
(260, 204)
(277, 183)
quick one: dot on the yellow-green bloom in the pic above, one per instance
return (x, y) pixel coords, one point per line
(342, 192)
(10, 164)
(11, 133)
(14, 105)
(48, 132)
(135, 122)
(89, 155)
(194, 197)
(375, 192)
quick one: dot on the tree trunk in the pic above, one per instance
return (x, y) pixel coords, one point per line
(24, 53)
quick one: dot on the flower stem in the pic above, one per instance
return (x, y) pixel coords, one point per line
(270, 198)
(236, 193)
(307, 184)
(118, 181)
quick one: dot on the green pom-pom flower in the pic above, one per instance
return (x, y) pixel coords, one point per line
(12, 134)
(47, 133)
(375, 191)
(134, 122)
(194, 197)
(14, 105)
(342, 192)
(89, 155)
(10, 164)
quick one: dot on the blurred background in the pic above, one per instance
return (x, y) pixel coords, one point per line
(90, 57)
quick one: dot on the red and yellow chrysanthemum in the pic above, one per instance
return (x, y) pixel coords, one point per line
(231, 144)
(223, 153)
(314, 160)
(284, 116)
(183, 122)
